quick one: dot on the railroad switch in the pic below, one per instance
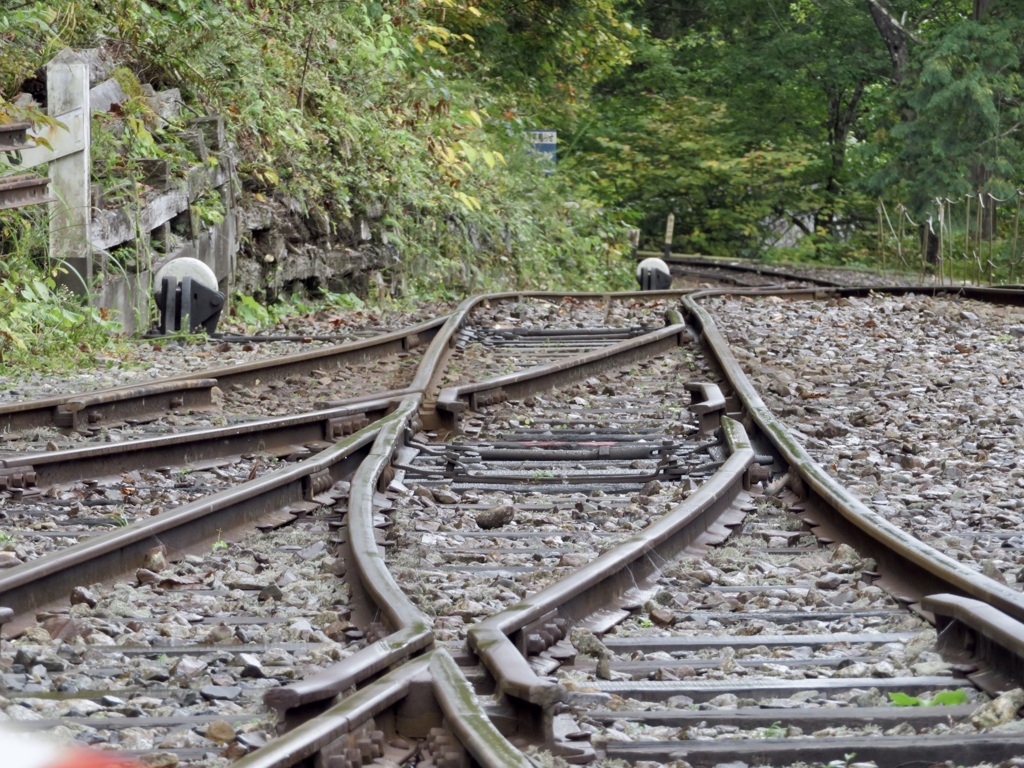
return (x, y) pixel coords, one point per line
(708, 403)
(187, 297)
(759, 471)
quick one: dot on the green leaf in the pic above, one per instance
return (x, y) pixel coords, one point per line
(903, 700)
(949, 698)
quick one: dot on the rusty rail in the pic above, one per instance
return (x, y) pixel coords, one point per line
(412, 631)
(29, 587)
(272, 435)
(912, 568)
(453, 401)
(500, 640)
(316, 735)
(79, 410)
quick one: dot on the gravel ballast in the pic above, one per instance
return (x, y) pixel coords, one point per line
(912, 402)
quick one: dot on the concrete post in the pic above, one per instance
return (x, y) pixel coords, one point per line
(670, 227)
(67, 96)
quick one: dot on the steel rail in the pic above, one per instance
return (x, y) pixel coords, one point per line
(272, 435)
(1006, 294)
(453, 401)
(996, 295)
(412, 630)
(295, 700)
(50, 578)
(401, 613)
(914, 566)
(78, 411)
(316, 734)
(184, 391)
(454, 696)
(758, 269)
(467, 719)
(428, 379)
(972, 629)
(500, 640)
(981, 749)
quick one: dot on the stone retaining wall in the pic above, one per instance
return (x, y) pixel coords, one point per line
(264, 248)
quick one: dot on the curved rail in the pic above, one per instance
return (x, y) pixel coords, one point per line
(609, 576)
(315, 735)
(428, 378)
(454, 400)
(412, 628)
(917, 567)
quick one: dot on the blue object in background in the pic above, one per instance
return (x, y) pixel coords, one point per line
(545, 143)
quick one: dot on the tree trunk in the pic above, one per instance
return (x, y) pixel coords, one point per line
(895, 37)
(929, 246)
(979, 173)
(842, 114)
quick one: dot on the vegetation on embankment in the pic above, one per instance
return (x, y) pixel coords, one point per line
(815, 129)
(367, 115)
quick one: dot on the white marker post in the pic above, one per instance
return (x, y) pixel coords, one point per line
(670, 227)
(67, 98)
(66, 149)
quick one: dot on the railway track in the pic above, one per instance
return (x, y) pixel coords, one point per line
(312, 379)
(702, 271)
(575, 529)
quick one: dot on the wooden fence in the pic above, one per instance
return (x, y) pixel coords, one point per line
(82, 235)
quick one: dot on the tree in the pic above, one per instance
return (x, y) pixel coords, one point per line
(653, 148)
(958, 128)
(550, 53)
(793, 76)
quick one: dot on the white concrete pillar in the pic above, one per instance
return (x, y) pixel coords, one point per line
(67, 97)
